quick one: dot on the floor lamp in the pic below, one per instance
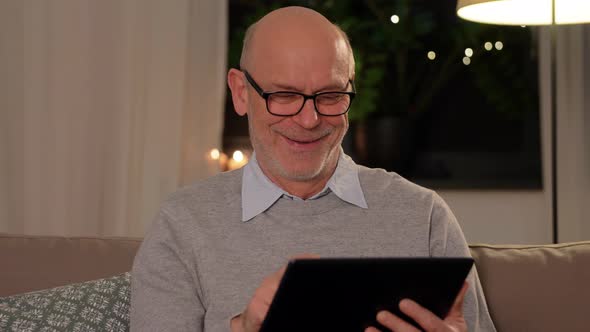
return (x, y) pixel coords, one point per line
(533, 12)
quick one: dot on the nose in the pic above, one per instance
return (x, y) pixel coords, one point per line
(308, 117)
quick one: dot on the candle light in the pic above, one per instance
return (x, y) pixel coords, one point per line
(237, 160)
(216, 161)
(214, 154)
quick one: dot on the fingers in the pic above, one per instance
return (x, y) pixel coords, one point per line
(428, 320)
(274, 279)
(457, 308)
(258, 306)
(253, 316)
(271, 283)
(424, 317)
(394, 323)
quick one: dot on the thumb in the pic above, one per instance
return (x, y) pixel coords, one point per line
(279, 274)
(457, 308)
(305, 256)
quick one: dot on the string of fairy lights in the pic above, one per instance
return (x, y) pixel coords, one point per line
(488, 46)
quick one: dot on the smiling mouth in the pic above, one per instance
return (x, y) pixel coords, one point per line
(304, 141)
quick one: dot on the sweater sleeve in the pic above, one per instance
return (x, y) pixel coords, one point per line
(447, 240)
(164, 289)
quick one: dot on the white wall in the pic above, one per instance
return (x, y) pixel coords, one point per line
(502, 216)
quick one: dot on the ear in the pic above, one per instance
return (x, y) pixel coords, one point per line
(239, 91)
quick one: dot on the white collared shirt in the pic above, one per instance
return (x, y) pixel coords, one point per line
(259, 192)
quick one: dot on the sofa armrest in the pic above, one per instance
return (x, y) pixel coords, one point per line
(536, 288)
(32, 263)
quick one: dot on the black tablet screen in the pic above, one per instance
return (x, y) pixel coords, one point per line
(345, 294)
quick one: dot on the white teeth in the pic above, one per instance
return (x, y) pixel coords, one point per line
(309, 141)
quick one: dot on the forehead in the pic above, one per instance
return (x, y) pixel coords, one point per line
(299, 54)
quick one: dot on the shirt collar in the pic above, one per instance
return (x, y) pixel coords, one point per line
(259, 192)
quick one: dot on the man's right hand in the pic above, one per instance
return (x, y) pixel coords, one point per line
(251, 319)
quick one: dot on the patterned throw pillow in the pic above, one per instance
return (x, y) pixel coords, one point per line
(98, 305)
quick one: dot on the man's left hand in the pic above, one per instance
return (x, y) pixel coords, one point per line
(453, 322)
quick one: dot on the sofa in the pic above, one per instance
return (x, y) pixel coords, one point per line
(82, 284)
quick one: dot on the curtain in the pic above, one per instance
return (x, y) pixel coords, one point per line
(105, 108)
(573, 132)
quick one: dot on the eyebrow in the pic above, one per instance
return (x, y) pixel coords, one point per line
(287, 87)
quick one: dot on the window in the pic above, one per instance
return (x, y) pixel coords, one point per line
(444, 102)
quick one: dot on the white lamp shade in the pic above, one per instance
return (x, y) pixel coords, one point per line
(524, 12)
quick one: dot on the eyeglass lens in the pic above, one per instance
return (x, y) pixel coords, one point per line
(332, 103)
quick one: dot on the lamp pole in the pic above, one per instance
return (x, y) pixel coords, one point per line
(553, 55)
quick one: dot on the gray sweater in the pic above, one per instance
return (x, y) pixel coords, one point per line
(200, 264)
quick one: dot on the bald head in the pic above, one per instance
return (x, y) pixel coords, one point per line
(295, 51)
(294, 30)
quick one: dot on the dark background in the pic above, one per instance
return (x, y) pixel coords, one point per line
(439, 123)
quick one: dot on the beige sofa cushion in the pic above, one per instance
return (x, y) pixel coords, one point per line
(528, 288)
(32, 263)
(536, 288)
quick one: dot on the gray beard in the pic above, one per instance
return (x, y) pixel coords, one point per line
(275, 167)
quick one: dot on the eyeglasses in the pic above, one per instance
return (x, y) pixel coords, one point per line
(289, 103)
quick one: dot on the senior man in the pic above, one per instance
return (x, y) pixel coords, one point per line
(212, 260)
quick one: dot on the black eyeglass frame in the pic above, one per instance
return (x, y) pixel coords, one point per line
(266, 95)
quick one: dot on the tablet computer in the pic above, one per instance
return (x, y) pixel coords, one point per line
(345, 294)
